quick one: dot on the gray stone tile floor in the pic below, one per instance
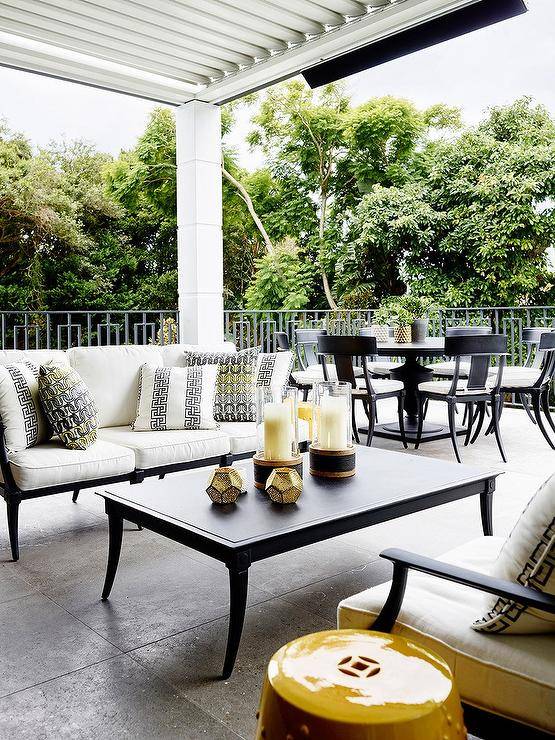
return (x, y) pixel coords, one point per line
(145, 664)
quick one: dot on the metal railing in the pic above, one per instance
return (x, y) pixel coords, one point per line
(65, 329)
(257, 328)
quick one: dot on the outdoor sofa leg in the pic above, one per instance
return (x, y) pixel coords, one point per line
(12, 505)
(75, 495)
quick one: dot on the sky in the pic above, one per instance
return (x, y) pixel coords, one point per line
(492, 66)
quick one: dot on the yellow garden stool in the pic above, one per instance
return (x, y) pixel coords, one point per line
(358, 685)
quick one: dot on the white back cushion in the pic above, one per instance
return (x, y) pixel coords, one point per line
(173, 354)
(112, 376)
(36, 356)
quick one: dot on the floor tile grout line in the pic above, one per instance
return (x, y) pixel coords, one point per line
(61, 675)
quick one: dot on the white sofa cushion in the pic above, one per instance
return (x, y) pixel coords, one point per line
(174, 354)
(51, 464)
(112, 376)
(509, 675)
(153, 449)
(20, 410)
(36, 356)
(176, 398)
(528, 558)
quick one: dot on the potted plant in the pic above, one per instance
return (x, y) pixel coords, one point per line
(379, 327)
(401, 320)
(419, 308)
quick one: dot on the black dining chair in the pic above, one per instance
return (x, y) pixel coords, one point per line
(531, 336)
(445, 370)
(345, 351)
(281, 341)
(536, 383)
(378, 366)
(478, 388)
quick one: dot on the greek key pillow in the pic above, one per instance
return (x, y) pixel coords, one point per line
(236, 375)
(175, 398)
(20, 411)
(528, 558)
(68, 406)
(273, 369)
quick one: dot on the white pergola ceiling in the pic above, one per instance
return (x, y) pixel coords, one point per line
(211, 50)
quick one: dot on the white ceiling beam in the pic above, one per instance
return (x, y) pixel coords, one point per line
(186, 27)
(354, 35)
(279, 13)
(75, 39)
(33, 57)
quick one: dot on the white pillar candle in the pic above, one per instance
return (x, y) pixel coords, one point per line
(333, 423)
(278, 436)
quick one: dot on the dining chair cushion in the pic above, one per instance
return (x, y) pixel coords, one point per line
(176, 398)
(315, 374)
(20, 411)
(444, 386)
(512, 676)
(382, 367)
(520, 377)
(381, 386)
(448, 368)
(527, 557)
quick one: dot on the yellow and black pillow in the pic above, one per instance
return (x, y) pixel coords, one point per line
(68, 406)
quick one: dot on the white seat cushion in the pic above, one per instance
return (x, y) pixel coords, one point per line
(520, 377)
(382, 386)
(51, 464)
(152, 449)
(315, 374)
(509, 675)
(242, 435)
(112, 376)
(448, 368)
(444, 386)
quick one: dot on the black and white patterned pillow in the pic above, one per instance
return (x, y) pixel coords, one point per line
(175, 398)
(20, 411)
(527, 557)
(68, 406)
(273, 369)
(236, 374)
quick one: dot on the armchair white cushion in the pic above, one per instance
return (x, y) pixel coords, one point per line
(509, 675)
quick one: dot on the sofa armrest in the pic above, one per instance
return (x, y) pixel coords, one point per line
(403, 561)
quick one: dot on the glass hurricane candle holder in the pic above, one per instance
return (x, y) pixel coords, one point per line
(332, 453)
(277, 436)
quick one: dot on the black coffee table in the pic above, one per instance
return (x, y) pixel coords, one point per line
(387, 485)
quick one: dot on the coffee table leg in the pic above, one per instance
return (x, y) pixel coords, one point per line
(238, 588)
(115, 535)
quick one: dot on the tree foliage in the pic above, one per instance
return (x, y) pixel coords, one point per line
(354, 203)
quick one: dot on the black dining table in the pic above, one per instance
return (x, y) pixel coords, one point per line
(412, 372)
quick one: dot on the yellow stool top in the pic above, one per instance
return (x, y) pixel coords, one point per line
(356, 676)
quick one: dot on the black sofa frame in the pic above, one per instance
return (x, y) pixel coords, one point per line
(13, 495)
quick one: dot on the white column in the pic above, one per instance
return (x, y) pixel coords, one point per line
(199, 223)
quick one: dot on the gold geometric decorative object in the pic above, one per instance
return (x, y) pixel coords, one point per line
(284, 486)
(225, 485)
